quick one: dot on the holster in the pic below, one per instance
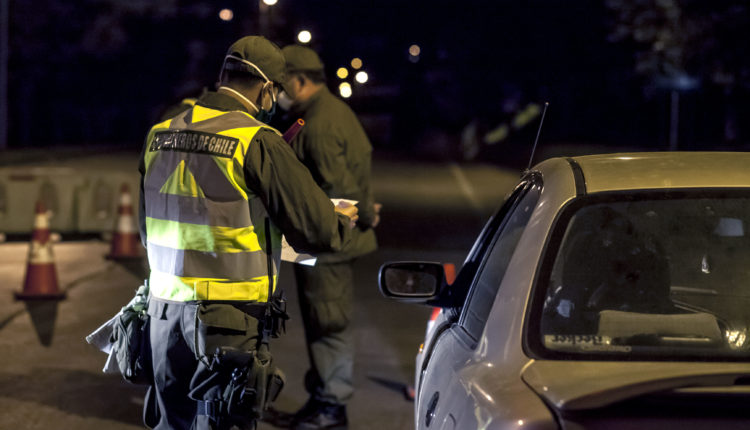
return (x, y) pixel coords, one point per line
(255, 382)
(276, 317)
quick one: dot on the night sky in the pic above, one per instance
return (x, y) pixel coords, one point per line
(98, 72)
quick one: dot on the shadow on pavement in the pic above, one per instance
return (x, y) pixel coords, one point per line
(43, 316)
(77, 392)
(395, 386)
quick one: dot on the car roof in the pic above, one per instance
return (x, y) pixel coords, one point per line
(663, 170)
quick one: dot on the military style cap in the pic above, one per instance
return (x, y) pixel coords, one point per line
(263, 53)
(300, 58)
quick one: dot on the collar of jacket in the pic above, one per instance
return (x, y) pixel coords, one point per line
(223, 102)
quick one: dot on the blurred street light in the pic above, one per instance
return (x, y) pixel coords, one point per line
(342, 72)
(414, 51)
(270, 2)
(304, 36)
(226, 14)
(356, 63)
(361, 77)
(345, 90)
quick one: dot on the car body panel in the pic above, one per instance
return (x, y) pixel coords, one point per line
(494, 382)
(658, 170)
(503, 402)
(574, 385)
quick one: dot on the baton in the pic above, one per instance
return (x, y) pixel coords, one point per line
(293, 130)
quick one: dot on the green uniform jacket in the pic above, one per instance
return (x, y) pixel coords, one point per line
(294, 202)
(336, 150)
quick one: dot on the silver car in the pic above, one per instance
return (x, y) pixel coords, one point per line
(608, 292)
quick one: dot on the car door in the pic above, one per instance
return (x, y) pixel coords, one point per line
(442, 400)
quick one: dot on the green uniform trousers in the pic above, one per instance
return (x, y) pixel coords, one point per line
(325, 299)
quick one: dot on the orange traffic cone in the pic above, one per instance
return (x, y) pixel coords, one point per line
(125, 239)
(450, 272)
(40, 282)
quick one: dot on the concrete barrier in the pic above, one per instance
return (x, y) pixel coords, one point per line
(97, 199)
(77, 201)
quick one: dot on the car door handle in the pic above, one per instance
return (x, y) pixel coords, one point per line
(431, 407)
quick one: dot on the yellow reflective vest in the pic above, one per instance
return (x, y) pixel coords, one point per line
(208, 236)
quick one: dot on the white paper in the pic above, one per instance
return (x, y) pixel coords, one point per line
(289, 254)
(337, 201)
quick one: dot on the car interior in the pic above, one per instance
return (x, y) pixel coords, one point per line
(655, 273)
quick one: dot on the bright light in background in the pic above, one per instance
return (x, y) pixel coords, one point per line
(304, 36)
(345, 89)
(361, 77)
(356, 63)
(270, 2)
(342, 72)
(226, 14)
(414, 51)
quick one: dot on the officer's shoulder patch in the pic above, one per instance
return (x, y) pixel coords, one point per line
(194, 141)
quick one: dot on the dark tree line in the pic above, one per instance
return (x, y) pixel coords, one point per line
(691, 45)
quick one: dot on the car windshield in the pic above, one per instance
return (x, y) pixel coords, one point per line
(654, 276)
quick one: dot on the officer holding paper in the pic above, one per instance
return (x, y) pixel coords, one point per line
(336, 150)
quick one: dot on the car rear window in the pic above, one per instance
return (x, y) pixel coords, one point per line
(649, 275)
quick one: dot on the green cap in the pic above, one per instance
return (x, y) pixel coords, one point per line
(300, 58)
(261, 52)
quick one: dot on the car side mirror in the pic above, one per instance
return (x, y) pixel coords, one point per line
(412, 282)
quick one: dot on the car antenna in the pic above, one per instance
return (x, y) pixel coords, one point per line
(538, 132)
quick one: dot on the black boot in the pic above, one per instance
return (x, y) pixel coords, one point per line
(316, 414)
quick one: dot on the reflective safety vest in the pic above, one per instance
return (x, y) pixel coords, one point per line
(208, 236)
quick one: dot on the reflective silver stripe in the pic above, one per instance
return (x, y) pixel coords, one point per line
(196, 264)
(203, 168)
(197, 210)
(182, 120)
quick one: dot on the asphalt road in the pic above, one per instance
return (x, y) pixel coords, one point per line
(50, 377)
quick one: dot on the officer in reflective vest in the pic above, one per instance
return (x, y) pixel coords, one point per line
(218, 189)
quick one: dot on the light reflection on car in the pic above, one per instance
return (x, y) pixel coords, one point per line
(609, 291)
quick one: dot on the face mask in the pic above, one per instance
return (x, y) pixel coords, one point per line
(266, 115)
(285, 102)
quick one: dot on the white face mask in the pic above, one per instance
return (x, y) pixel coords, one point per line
(285, 102)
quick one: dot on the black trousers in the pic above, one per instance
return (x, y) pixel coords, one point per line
(182, 335)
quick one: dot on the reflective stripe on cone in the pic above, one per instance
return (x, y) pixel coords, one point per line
(125, 242)
(40, 282)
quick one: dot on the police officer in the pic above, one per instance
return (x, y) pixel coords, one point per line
(335, 148)
(219, 187)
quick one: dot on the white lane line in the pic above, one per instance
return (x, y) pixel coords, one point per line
(465, 187)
